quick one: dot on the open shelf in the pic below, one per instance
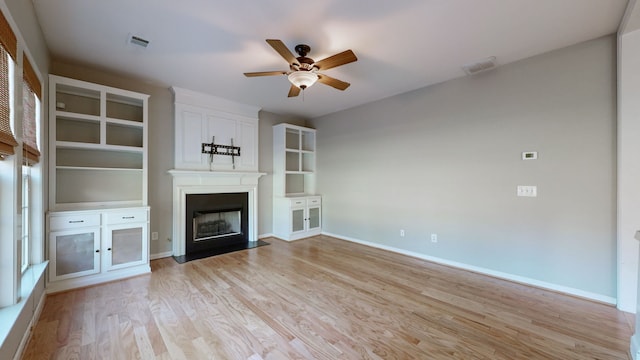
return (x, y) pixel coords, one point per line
(94, 186)
(125, 108)
(97, 143)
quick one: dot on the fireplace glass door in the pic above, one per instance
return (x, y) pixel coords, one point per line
(217, 224)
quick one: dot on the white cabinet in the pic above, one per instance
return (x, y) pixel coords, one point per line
(97, 145)
(297, 210)
(305, 216)
(94, 246)
(297, 217)
(99, 218)
(204, 119)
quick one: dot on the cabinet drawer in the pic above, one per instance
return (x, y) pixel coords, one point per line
(314, 201)
(124, 217)
(72, 221)
(298, 202)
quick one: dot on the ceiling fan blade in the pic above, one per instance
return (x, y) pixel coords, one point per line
(282, 49)
(342, 58)
(294, 91)
(264, 73)
(335, 83)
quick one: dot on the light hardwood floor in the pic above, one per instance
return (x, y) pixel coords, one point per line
(322, 298)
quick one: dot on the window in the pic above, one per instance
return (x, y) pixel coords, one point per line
(26, 215)
(31, 154)
(30, 105)
(21, 219)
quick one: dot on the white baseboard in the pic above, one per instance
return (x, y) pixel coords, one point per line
(160, 255)
(262, 236)
(485, 271)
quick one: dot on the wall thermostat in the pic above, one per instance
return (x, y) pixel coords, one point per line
(529, 155)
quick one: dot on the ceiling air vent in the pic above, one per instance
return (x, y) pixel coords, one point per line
(136, 40)
(480, 66)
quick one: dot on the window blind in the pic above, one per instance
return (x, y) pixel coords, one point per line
(30, 151)
(8, 48)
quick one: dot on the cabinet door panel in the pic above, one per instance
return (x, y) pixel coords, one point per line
(249, 151)
(297, 220)
(191, 130)
(126, 246)
(314, 218)
(73, 253)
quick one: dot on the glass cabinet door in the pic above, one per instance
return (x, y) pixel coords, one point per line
(126, 245)
(314, 218)
(74, 253)
(297, 220)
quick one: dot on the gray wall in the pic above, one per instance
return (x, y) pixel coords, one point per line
(265, 186)
(447, 159)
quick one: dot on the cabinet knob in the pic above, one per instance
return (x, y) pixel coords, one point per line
(98, 250)
(109, 249)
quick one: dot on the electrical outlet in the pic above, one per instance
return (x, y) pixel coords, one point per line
(527, 190)
(434, 238)
(154, 235)
(401, 233)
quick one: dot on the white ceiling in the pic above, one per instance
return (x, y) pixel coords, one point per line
(401, 45)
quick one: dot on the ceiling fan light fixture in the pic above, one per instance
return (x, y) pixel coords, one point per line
(303, 79)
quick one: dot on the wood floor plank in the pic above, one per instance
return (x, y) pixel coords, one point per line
(323, 298)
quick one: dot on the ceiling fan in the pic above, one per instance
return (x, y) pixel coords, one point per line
(304, 71)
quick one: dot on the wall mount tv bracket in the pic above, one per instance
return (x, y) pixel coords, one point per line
(216, 149)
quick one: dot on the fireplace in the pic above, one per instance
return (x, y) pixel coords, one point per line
(207, 192)
(216, 220)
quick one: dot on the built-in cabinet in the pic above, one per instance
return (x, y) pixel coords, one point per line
(92, 246)
(199, 120)
(98, 220)
(297, 210)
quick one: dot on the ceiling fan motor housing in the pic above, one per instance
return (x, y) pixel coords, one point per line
(304, 63)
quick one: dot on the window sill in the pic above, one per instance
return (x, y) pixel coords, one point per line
(9, 315)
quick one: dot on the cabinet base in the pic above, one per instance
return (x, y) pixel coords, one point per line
(84, 281)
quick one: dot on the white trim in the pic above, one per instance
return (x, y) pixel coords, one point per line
(83, 281)
(211, 182)
(264, 236)
(485, 271)
(160, 255)
(32, 323)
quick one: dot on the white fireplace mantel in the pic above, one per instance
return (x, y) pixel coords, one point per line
(211, 182)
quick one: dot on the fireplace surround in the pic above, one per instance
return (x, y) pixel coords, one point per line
(187, 182)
